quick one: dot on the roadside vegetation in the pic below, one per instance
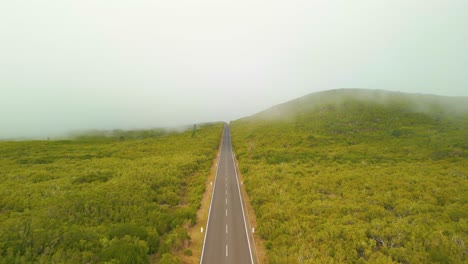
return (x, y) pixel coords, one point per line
(358, 176)
(120, 197)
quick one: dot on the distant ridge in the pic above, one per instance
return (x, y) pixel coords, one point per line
(415, 102)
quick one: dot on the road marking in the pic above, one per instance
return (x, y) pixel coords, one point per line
(225, 151)
(242, 203)
(211, 203)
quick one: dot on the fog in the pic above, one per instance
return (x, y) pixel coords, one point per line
(76, 65)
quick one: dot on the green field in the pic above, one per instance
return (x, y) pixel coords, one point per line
(359, 176)
(119, 197)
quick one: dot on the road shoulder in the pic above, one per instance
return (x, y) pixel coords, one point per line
(259, 250)
(197, 237)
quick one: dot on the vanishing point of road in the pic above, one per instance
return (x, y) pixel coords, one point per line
(226, 237)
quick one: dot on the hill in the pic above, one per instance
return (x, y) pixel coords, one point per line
(359, 176)
(423, 103)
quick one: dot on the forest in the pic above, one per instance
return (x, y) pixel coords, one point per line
(336, 178)
(117, 197)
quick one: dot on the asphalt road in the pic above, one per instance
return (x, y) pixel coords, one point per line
(226, 239)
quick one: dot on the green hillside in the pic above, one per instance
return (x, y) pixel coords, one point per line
(102, 198)
(356, 176)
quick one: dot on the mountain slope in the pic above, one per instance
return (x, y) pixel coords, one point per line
(423, 103)
(358, 176)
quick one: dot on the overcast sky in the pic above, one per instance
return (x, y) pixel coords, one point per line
(103, 64)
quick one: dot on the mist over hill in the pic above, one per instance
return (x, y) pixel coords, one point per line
(418, 103)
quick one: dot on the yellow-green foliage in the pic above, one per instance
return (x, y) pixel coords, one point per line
(102, 199)
(355, 182)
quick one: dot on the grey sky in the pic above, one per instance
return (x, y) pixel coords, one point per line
(104, 64)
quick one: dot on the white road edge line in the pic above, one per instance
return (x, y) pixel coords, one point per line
(212, 194)
(240, 196)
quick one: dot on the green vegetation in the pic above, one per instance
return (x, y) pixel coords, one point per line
(338, 179)
(114, 198)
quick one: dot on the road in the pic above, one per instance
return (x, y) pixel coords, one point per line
(226, 239)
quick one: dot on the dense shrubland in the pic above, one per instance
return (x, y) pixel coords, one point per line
(96, 199)
(353, 181)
